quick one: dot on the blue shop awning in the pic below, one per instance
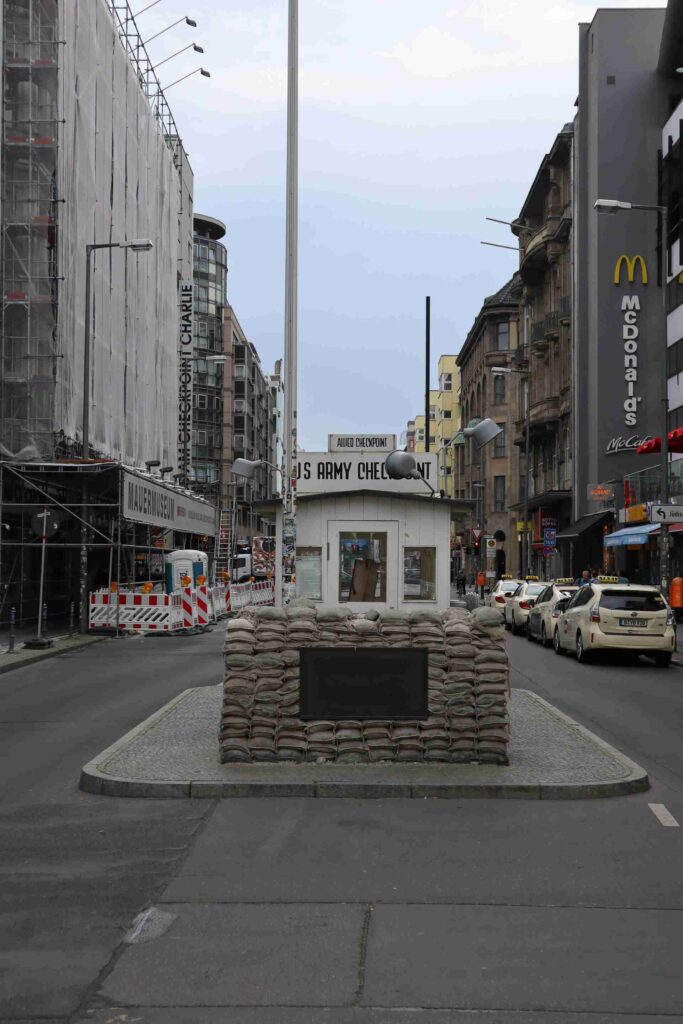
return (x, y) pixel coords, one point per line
(631, 535)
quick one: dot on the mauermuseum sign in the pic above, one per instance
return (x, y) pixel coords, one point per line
(146, 501)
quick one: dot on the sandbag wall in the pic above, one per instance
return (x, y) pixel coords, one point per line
(467, 696)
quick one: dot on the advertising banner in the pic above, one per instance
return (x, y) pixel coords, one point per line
(322, 472)
(146, 501)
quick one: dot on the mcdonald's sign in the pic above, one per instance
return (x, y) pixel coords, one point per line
(630, 262)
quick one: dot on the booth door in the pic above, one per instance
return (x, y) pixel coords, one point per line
(362, 564)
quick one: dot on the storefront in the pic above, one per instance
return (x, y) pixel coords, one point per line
(132, 518)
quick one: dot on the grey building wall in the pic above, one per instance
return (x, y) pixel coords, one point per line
(623, 102)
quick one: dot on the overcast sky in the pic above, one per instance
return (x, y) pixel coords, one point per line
(417, 120)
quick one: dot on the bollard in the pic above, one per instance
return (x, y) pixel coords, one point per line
(12, 623)
(44, 618)
(71, 619)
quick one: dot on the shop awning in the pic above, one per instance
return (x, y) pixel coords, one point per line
(577, 528)
(631, 535)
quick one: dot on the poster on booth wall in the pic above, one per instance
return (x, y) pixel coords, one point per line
(263, 556)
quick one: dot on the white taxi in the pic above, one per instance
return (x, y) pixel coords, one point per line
(519, 604)
(608, 615)
(544, 614)
(504, 588)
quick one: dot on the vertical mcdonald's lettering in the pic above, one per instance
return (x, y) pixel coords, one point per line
(630, 307)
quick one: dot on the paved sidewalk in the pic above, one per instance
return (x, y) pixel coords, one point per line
(174, 753)
(28, 656)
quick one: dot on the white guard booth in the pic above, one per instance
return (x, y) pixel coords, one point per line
(367, 541)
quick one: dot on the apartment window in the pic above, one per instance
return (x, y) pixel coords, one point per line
(499, 443)
(499, 390)
(446, 382)
(201, 402)
(447, 414)
(432, 412)
(201, 437)
(499, 493)
(503, 338)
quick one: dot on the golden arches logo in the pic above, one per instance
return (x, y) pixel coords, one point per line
(630, 262)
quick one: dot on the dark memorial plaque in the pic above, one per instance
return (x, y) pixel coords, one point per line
(338, 683)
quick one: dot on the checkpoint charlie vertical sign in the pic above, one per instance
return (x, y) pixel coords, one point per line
(185, 345)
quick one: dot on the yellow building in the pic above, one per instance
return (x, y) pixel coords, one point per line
(444, 420)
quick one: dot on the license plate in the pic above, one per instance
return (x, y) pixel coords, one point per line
(633, 622)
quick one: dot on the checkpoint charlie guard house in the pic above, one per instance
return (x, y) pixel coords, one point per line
(366, 540)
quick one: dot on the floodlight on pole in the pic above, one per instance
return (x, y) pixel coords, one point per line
(190, 46)
(611, 205)
(188, 21)
(197, 71)
(248, 467)
(486, 430)
(164, 470)
(403, 466)
(151, 464)
(138, 245)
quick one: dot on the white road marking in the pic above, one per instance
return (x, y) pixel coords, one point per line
(663, 816)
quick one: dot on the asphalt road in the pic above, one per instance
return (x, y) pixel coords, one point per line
(76, 869)
(332, 911)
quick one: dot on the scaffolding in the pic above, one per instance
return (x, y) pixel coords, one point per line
(29, 227)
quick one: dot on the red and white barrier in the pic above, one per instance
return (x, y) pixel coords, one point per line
(204, 609)
(188, 600)
(143, 613)
(245, 595)
(219, 606)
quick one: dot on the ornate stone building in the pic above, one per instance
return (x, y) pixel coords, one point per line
(544, 228)
(492, 342)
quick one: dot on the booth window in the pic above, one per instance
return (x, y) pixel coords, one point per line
(419, 574)
(309, 573)
(362, 567)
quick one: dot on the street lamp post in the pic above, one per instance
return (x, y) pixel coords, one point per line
(482, 433)
(616, 206)
(135, 245)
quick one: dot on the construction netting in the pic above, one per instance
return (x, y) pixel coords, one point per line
(94, 166)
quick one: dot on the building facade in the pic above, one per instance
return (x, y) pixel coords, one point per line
(66, 186)
(628, 87)
(447, 422)
(252, 426)
(491, 475)
(543, 358)
(209, 360)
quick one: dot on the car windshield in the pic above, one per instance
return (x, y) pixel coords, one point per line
(535, 588)
(632, 600)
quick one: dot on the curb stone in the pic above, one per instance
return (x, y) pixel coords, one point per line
(24, 658)
(381, 784)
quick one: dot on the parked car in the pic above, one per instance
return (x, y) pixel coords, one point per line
(505, 587)
(519, 604)
(608, 615)
(541, 622)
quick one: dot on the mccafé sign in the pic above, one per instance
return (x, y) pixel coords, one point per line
(630, 308)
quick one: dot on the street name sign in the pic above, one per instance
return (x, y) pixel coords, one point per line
(666, 513)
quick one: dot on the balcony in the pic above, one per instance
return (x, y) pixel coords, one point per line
(565, 309)
(645, 485)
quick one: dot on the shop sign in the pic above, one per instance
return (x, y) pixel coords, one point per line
(601, 493)
(618, 445)
(325, 472)
(145, 501)
(636, 514)
(185, 346)
(361, 442)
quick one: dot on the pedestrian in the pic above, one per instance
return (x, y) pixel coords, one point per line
(460, 583)
(585, 578)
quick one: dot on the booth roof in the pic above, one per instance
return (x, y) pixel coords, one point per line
(273, 503)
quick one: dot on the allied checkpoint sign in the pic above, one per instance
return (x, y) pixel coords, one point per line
(325, 472)
(361, 443)
(146, 501)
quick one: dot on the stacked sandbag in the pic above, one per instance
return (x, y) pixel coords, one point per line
(459, 685)
(468, 679)
(334, 626)
(492, 687)
(395, 628)
(238, 691)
